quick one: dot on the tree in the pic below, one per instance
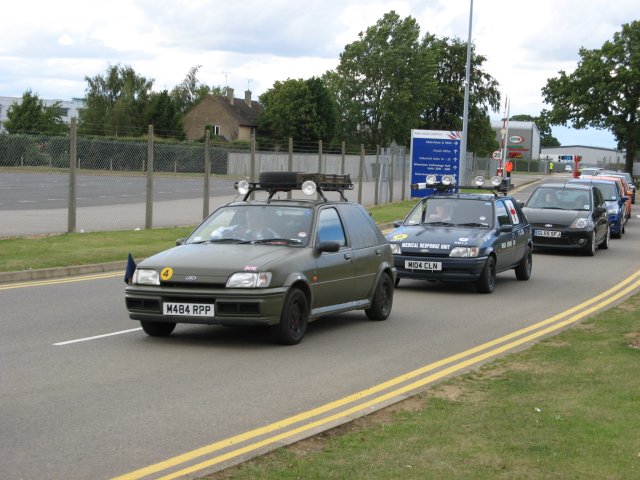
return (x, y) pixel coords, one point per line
(165, 116)
(116, 103)
(300, 109)
(31, 115)
(383, 82)
(191, 91)
(447, 108)
(603, 91)
(542, 122)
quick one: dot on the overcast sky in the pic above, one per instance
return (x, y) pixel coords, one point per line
(50, 46)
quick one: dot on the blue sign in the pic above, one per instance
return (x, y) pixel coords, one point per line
(434, 152)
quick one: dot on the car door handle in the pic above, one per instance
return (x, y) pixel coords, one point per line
(347, 256)
(378, 252)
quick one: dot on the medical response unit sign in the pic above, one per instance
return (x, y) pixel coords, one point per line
(434, 152)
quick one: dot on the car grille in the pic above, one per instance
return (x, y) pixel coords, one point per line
(425, 255)
(192, 285)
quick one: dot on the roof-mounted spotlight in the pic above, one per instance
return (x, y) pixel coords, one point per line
(447, 180)
(309, 187)
(243, 187)
(496, 180)
(479, 181)
(431, 180)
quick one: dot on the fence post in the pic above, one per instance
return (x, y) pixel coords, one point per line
(148, 220)
(375, 195)
(404, 174)
(252, 173)
(361, 171)
(391, 176)
(71, 215)
(320, 170)
(290, 163)
(343, 158)
(207, 171)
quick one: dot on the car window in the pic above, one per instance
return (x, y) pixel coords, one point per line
(608, 191)
(361, 228)
(502, 214)
(330, 227)
(560, 198)
(513, 212)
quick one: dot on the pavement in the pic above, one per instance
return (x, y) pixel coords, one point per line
(517, 181)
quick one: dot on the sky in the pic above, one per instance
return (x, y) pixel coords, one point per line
(50, 47)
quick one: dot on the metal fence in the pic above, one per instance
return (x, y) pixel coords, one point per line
(56, 184)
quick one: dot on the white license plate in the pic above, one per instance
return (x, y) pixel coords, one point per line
(188, 309)
(420, 265)
(546, 233)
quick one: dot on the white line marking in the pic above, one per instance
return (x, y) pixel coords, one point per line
(97, 337)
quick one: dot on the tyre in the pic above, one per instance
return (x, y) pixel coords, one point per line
(382, 299)
(487, 282)
(590, 249)
(605, 241)
(523, 270)
(157, 329)
(293, 320)
(278, 179)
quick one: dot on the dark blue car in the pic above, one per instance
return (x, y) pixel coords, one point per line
(463, 237)
(614, 199)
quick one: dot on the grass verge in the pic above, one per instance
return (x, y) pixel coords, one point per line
(569, 407)
(48, 251)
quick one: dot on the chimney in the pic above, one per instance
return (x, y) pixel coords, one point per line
(230, 95)
(247, 97)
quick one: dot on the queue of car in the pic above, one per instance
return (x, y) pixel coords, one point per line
(282, 262)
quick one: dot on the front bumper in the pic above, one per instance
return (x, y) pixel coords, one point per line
(453, 269)
(568, 240)
(231, 306)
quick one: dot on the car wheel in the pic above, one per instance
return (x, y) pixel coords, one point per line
(590, 249)
(157, 329)
(487, 282)
(523, 270)
(294, 318)
(278, 179)
(605, 242)
(382, 299)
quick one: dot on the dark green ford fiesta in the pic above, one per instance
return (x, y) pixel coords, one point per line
(274, 262)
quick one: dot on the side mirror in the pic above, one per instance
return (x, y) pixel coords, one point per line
(520, 203)
(600, 210)
(397, 223)
(506, 228)
(330, 246)
(623, 200)
(180, 241)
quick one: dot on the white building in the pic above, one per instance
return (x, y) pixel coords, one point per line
(591, 156)
(68, 109)
(522, 138)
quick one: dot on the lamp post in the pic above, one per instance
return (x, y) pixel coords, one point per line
(465, 114)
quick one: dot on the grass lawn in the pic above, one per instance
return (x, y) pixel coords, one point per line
(569, 407)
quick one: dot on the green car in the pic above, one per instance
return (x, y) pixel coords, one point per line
(277, 262)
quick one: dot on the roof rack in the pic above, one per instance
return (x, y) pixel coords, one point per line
(447, 184)
(308, 183)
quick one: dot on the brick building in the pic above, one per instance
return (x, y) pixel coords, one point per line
(230, 118)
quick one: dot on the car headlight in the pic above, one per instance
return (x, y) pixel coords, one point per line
(144, 276)
(464, 252)
(395, 248)
(579, 223)
(249, 280)
(613, 210)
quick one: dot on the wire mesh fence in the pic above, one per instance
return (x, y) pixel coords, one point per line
(56, 184)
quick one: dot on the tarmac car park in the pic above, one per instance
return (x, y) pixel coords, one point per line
(451, 236)
(275, 262)
(568, 217)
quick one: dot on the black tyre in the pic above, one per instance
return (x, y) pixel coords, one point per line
(523, 270)
(293, 320)
(382, 299)
(590, 249)
(278, 179)
(487, 281)
(605, 241)
(157, 329)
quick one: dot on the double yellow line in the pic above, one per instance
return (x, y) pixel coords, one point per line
(291, 428)
(55, 281)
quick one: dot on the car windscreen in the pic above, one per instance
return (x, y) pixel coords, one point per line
(256, 223)
(471, 212)
(560, 199)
